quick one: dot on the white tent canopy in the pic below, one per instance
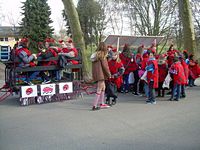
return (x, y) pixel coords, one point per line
(133, 41)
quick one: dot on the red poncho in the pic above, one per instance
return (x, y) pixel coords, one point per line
(163, 70)
(178, 73)
(153, 76)
(114, 67)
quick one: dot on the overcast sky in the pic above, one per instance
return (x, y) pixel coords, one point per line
(11, 10)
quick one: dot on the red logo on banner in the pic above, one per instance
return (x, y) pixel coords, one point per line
(29, 91)
(47, 90)
(65, 87)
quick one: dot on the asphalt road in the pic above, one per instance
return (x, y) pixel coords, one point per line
(129, 125)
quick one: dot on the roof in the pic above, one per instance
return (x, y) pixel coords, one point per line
(8, 31)
(134, 41)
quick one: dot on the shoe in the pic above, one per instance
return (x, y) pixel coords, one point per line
(176, 99)
(182, 96)
(126, 91)
(28, 82)
(107, 100)
(136, 94)
(95, 108)
(104, 106)
(148, 102)
(153, 102)
(114, 101)
(46, 81)
(169, 93)
(171, 99)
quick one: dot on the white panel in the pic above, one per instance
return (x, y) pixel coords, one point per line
(29, 91)
(66, 87)
(48, 89)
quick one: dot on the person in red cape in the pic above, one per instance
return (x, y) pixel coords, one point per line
(178, 78)
(130, 65)
(47, 52)
(152, 48)
(152, 78)
(26, 59)
(186, 72)
(163, 70)
(171, 53)
(193, 70)
(67, 54)
(125, 56)
(116, 69)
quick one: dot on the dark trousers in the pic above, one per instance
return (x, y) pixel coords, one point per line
(125, 86)
(151, 94)
(183, 91)
(176, 91)
(191, 81)
(136, 79)
(161, 89)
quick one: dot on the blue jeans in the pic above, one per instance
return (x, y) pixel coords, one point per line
(33, 75)
(151, 93)
(125, 82)
(176, 91)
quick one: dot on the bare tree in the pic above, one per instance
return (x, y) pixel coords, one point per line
(188, 27)
(77, 35)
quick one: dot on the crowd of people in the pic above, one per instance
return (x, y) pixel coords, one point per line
(65, 51)
(173, 70)
(150, 71)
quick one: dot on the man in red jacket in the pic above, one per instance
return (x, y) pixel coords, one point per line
(178, 78)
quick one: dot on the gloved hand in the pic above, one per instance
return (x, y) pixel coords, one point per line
(34, 56)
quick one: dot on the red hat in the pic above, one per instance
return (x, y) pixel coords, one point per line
(153, 51)
(114, 50)
(49, 40)
(69, 41)
(185, 51)
(24, 40)
(109, 46)
(60, 41)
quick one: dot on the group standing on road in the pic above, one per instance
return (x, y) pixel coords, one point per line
(151, 72)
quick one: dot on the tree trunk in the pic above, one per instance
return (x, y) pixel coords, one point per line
(188, 27)
(77, 35)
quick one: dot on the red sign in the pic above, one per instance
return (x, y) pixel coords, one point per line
(29, 91)
(65, 87)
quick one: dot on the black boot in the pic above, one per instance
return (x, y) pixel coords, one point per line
(114, 101)
(108, 100)
(163, 93)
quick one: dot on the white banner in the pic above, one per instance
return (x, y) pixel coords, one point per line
(29, 91)
(66, 87)
(48, 89)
